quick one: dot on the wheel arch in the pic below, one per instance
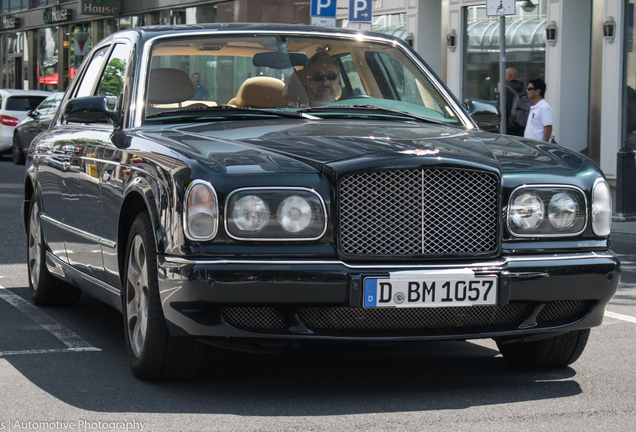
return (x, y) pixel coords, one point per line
(29, 189)
(137, 199)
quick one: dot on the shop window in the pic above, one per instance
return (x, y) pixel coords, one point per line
(47, 59)
(525, 48)
(15, 61)
(79, 46)
(14, 5)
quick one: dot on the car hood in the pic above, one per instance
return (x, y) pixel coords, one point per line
(290, 145)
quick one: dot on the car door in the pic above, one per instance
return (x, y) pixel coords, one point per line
(80, 181)
(89, 183)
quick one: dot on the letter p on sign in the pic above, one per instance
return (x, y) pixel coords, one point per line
(360, 10)
(322, 4)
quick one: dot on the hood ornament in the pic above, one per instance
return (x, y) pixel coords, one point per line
(420, 152)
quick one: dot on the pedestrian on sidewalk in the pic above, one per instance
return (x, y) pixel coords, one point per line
(514, 89)
(540, 119)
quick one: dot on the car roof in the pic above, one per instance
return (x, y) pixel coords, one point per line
(149, 32)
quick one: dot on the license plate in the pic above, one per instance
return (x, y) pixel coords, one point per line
(435, 288)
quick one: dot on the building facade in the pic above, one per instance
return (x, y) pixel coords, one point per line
(587, 62)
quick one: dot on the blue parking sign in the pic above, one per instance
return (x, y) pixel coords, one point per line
(323, 8)
(360, 10)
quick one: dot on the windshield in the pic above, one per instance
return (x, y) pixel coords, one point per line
(322, 76)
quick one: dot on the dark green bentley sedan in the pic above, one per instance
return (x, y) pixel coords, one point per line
(255, 186)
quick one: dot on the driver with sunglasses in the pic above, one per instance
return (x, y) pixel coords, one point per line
(322, 79)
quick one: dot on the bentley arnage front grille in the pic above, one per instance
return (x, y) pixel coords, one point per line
(419, 212)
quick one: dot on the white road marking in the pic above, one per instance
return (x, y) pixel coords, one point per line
(614, 315)
(72, 340)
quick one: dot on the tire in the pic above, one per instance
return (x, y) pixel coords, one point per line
(554, 352)
(153, 353)
(17, 151)
(45, 289)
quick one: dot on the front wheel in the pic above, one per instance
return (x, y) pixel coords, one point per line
(554, 352)
(152, 352)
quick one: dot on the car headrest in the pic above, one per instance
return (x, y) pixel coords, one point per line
(261, 92)
(168, 86)
(294, 91)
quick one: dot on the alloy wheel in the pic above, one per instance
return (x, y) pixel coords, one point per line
(34, 252)
(137, 296)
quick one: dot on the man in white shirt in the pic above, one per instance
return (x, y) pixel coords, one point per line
(539, 124)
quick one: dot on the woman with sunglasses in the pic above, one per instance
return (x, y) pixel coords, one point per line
(322, 79)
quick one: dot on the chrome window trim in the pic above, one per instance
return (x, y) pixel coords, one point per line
(262, 188)
(147, 48)
(88, 236)
(186, 197)
(546, 186)
(500, 263)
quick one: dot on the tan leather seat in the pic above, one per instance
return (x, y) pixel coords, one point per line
(261, 92)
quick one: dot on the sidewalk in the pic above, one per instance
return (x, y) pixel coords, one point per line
(621, 227)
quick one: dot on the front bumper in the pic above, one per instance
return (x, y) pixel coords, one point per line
(311, 300)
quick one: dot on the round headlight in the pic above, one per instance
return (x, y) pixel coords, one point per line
(601, 209)
(295, 214)
(562, 210)
(527, 211)
(251, 213)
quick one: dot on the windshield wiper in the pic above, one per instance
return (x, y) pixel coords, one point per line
(374, 108)
(230, 109)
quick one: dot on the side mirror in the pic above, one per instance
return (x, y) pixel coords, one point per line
(89, 109)
(485, 113)
(31, 113)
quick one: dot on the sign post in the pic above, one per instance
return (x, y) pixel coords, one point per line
(360, 14)
(502, 8)
(323, 12)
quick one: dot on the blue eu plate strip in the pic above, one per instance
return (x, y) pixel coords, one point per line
(370, 292)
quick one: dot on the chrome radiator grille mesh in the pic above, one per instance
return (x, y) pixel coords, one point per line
(418, 212)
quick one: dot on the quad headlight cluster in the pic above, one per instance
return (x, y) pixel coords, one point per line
(550, 211)
(275, 214)
(255, 213)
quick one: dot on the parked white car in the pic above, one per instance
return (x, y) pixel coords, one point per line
(14, 106)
